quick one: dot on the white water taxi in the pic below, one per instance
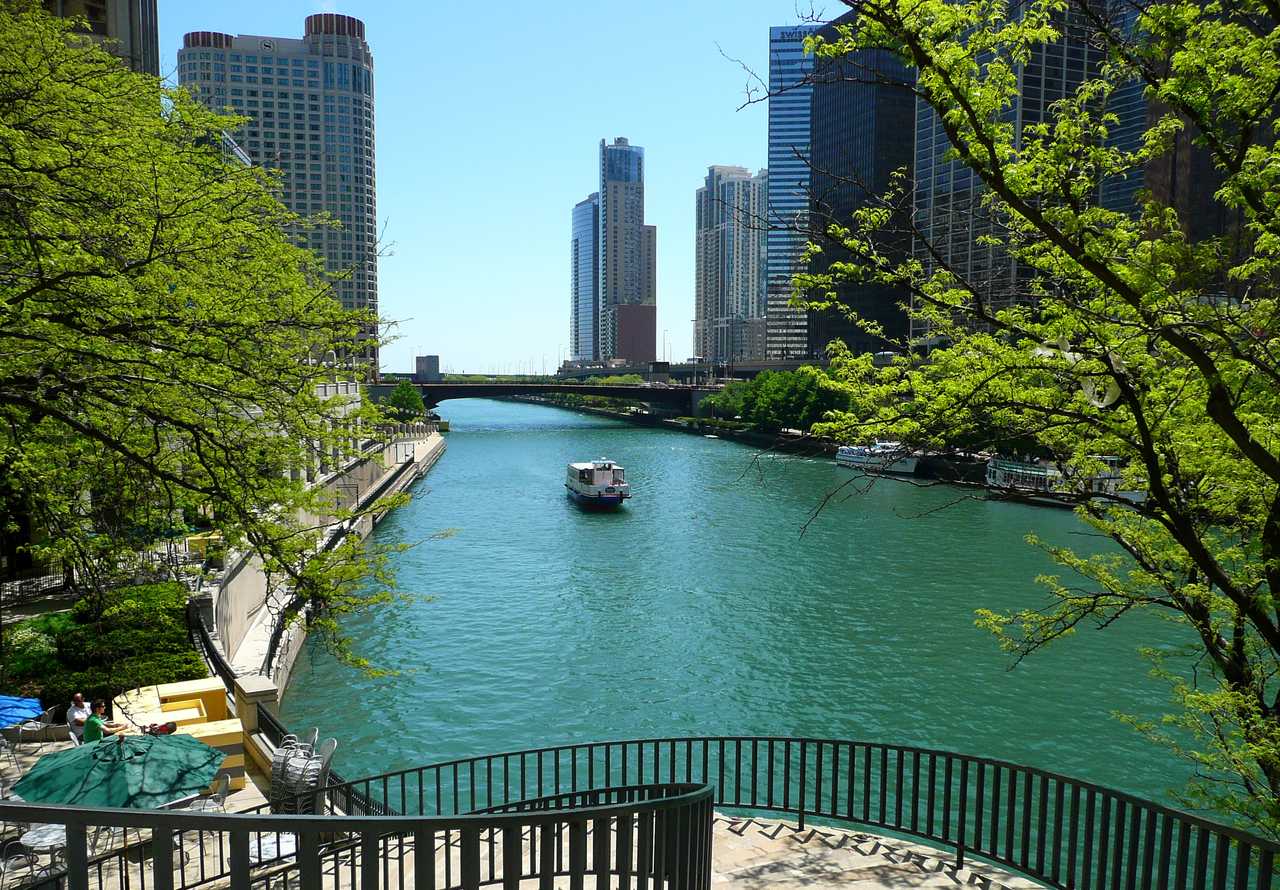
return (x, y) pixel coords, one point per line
(1039, 480)
(887, 458)
(600, 484)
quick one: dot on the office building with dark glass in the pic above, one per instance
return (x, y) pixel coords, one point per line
(790, 95)
(863, 112)
(310, 104)
(950, 217)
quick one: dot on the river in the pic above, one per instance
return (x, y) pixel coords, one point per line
(706, 607)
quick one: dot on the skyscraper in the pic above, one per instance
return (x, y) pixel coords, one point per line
(730, 263)
(584, 280)
(310, 101)
(628, 258)
(789, 183)
(948, 208)
(863, 110)
(129, 27)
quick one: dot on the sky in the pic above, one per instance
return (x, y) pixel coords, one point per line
(488, 132)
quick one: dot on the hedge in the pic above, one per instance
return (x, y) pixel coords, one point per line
(129, 637)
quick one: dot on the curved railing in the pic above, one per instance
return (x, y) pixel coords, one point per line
(649, 835)
(643, 808)
(1063, 832)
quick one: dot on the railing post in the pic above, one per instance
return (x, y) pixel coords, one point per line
(77, 857)
(802, 782)
(964, 810)
(162, 858)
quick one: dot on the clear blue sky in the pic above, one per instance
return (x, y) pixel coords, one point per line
(488, 128)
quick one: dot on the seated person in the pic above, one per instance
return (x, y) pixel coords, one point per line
(98, 725)
(77, 714)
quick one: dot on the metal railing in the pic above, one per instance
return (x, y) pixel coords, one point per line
(643, 808)
(1061, 831)
(203, 641)
(654, 835)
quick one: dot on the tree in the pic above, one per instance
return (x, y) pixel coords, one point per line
(1138, 335)
(405, 402)
(162, 342)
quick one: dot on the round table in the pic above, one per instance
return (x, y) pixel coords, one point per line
(49, 838)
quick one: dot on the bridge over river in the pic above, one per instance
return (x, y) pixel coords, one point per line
(679, 398)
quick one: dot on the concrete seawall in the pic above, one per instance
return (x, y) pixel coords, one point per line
(247, 605)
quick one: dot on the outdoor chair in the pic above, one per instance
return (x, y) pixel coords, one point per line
(215, 802)
(75, 739)
(15, 858)
(7, 749)
(38, 727)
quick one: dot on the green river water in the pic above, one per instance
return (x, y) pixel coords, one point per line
(701, 608)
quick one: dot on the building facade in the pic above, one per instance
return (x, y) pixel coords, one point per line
(951, 220)
(627, 256)
(730, 263)
(790, 96)
(129, 28)
(863, 114)
(584, 281)
(426, 369)
(310, 102)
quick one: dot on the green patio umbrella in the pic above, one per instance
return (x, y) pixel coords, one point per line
(142, 772)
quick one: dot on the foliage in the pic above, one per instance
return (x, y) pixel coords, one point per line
(129, 637)
(1149, 336)
(162, 340)
(405, 403)
(776, 400)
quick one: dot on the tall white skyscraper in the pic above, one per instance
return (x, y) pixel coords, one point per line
(730, 265)
(310, 101)
(789, 185)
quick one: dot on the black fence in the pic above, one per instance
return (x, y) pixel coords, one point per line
(203, 641)
(1063, 832)
(655, 836)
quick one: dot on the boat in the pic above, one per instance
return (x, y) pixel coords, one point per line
(881, 458)
(1037, 481)
(600, 484)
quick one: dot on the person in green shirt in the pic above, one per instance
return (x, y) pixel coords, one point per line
(96, 725)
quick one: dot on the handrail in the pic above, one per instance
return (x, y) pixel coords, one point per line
(1047, 826)
(204, 643)
(1056, 830)
(652, 834)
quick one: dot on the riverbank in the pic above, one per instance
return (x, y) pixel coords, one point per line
(931, 467)
(246, 608)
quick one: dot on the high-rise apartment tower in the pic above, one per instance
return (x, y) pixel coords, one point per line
(310, 101)
(789, 185)
(627, 298)
(730, 264)
(129, 28)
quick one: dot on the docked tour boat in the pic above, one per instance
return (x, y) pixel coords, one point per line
(600, 483)
(886, 458)
(1037, 481)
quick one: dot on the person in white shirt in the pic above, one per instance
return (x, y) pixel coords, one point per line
(77, 714)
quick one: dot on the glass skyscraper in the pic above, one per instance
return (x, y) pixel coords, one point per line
(790, 94)
(861, 135)
(584, 287)
(310, 104)
(950, 216)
